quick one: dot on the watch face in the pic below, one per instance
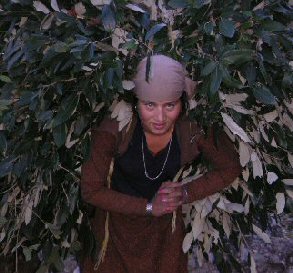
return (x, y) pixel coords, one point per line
(149, 208)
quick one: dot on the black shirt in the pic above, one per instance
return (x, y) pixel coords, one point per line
(129, 174)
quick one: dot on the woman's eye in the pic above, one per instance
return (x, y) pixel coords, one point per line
(170, 106)
(149, 104)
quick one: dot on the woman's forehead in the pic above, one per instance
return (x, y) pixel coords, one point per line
(160, 102)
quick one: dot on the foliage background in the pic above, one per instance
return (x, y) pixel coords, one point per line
(62, 65)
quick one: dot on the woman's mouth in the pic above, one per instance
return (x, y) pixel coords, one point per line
(159, 126)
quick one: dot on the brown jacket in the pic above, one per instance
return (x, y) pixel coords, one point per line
(129, 228)
(107, 142)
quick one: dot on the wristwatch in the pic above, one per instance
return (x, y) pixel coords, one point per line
(149, 208)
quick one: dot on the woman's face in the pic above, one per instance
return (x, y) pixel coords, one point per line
(159, 118)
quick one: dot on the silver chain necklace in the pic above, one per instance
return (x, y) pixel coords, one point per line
(143, 159)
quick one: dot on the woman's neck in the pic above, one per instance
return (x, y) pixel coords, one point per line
(157, 143)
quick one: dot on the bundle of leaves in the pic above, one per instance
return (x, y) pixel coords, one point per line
(64, 63)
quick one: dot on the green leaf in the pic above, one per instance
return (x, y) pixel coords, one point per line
(4, 104)
(178, 4)
(250, 73)
(12, 47)
(49, 57)
(15, 59)
(287, 80)
(80, 43)
(85, 147)
(200, 3)
(209, 68)
(264, 95)
(5, 167)
(280, 135)
(21, 165)
(148, 68)
(56, 231)
(43, 269)
(73, 196)
(108, 18)
(3, 220)
(26, 98)
(156, 28)
(45, 116)
(56, 259)
(262, 67)
(3, 142)
(216, 80)
(67, 108)
(233, 83)
(229, 80)
(80, 124)
(62, 216)
(270, 25)
(61, 47)
(91, 96)
(4, 78)
(59, 134)
(130, 45)
(209, 28)
(108, 79)
(27, 253)
(34, 247)
(227, 28)
(237, 56)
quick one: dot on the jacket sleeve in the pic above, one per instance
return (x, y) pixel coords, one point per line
(225, 167)
(94, 174)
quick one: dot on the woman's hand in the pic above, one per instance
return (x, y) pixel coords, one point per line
(168, 198)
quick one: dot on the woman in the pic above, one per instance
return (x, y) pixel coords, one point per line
(137, 207)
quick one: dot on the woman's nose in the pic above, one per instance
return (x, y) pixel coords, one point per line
(160, 114)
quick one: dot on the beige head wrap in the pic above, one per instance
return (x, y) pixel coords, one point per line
(167, 80)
